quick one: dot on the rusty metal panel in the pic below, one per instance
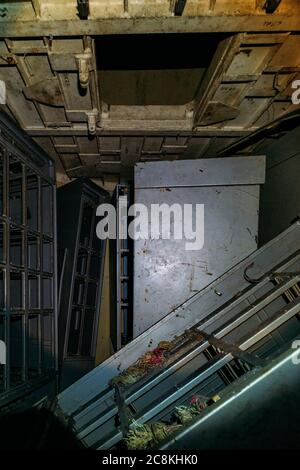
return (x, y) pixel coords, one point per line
(74, 101)
(23, 109)
(240, 91)
(111, 9)
(250, 60)
(71, 161)
(288, 55)
(87, 145)
(149, 7)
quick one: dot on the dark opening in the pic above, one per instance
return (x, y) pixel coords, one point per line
(153, 69)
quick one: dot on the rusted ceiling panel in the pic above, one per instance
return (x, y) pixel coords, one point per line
(257, 81)
(54, 87)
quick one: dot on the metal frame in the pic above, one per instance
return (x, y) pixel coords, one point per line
(230, 346)
(121, 269)
(82, 192)
(207, 370)
(28, 269)
(201, 305)
(203, 24)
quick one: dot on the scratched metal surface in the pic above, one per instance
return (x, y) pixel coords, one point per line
(165, 273)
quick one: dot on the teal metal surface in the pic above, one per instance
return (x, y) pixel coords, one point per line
(259, 411)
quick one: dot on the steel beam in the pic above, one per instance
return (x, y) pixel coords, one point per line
(200, 24)
(82, 131)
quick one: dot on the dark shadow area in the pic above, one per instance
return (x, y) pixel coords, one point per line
(35, 430)
(156, 51)
(280, 195)
(153, 69)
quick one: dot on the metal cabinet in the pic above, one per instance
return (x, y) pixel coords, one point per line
(28, 313)
(166, 274)
(121, 272)
(80, 261)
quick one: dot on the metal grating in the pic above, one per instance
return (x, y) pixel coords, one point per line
(81, 257)
(27, 262)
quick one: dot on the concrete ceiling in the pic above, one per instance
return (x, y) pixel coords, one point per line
(97, 105)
